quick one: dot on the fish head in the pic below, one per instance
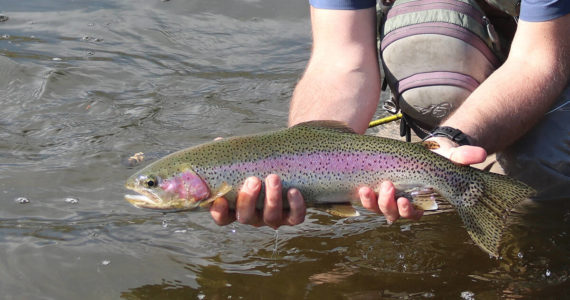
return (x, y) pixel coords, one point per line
(158, 189)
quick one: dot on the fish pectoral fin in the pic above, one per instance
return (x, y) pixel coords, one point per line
(343, 210)
(424, 198)
(222, 191)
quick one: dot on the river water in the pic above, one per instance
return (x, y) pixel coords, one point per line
(86, 84)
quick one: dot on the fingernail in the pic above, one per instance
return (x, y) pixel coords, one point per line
(385, 187)
(251, 183)
(293, 194)
(272, 181)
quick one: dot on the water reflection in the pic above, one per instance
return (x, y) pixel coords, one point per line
(366, 259)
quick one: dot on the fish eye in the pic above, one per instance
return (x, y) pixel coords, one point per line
(150, 181)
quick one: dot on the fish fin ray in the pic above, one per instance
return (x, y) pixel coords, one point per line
(343, 210)
(424, 198)
(222, 191)
(485, 207)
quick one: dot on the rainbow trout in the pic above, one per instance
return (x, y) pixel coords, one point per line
(327, 162)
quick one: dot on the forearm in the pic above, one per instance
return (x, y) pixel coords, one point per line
(342, 79)
(504, 107)
(516, 96)
(351, 97)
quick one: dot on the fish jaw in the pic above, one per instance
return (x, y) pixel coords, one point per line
(155, 203)
(180, 192)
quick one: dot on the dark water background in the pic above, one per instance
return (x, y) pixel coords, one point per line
(85, 84)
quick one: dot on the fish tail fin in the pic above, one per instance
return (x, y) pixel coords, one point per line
(486, 204)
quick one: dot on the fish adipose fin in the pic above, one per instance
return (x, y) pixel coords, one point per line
(430, 145)
(329, 124)
(485, 205)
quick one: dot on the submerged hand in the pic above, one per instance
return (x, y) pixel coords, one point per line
(392, 208)
(272, 215)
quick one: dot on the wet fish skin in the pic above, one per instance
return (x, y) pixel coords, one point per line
(327, 162)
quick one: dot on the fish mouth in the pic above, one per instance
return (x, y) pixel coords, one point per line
(146, 202)
(142, 201)
(165, 202)
(146, 199)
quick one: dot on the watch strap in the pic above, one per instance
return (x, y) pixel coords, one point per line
(451, 133)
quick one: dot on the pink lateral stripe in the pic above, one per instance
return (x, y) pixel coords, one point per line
(320, 162)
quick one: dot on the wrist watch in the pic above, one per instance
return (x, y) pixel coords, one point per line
(451, 133)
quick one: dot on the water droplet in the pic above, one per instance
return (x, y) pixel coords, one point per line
(201, 296)
(22, 200)
(105, 262)
(56, 59)
(520, 255)
(71, 200)
(548, 273)
(164, 223)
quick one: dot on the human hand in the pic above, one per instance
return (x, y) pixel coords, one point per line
(393, 208)
(272, 215)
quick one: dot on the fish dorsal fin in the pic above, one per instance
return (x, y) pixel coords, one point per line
(329, 124)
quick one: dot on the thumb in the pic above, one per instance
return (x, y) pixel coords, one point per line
(467, 155)
(463, 155)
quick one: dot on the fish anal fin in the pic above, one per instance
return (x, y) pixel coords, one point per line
(424, 198)
(343, 210)
(329, 124)
(425, 202)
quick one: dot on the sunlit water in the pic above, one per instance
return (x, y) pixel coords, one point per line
(85, 84)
